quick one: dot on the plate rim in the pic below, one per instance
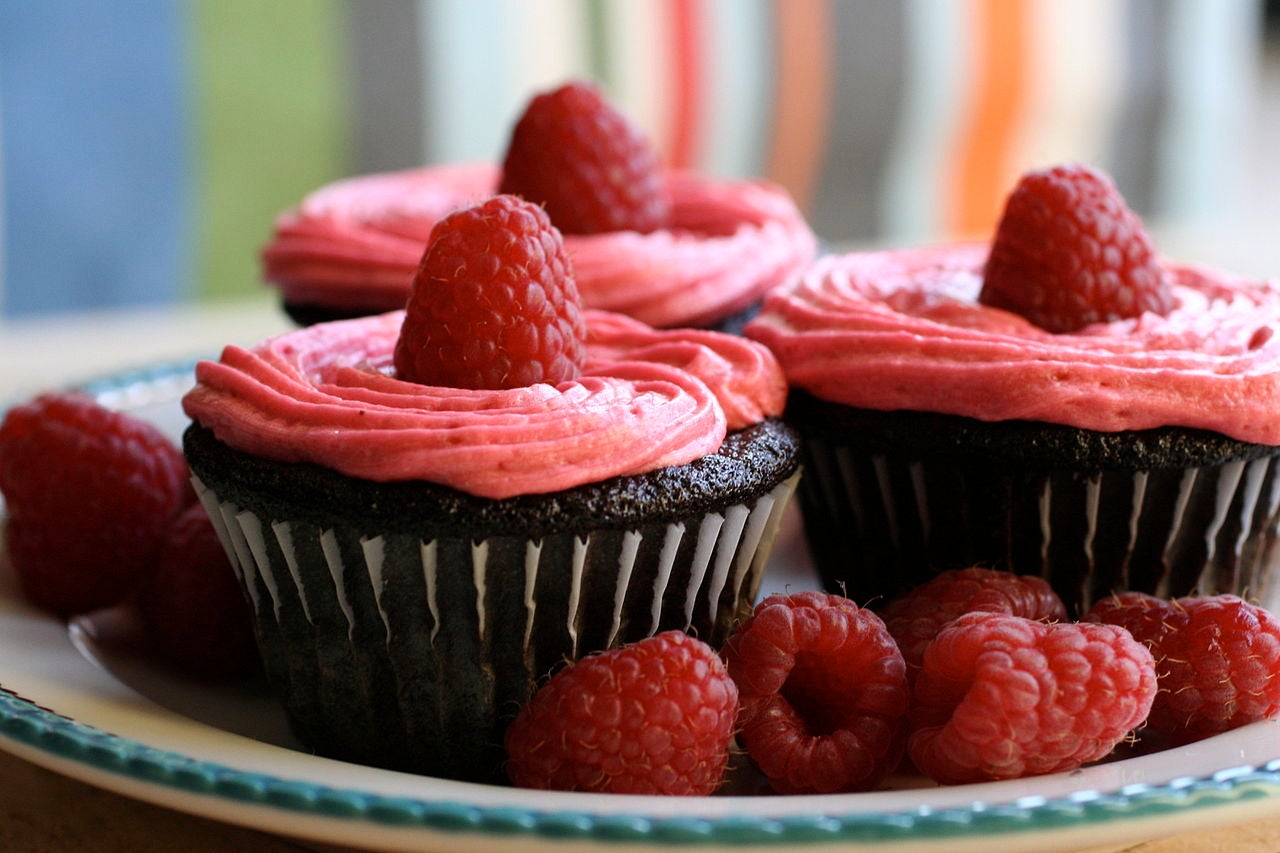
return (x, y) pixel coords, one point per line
(25, 722)
(49, 732)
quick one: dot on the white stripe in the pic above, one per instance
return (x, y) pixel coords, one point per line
(547, 42)
(1214, 50)
(532, 556)
(738, 87)
(427, 554)
(626, 563)
(670, 546)
(634, 33)
(936, 75)
(1076, 57)
(374, 558)
(284, 537)
(479, 569)
(338, 571)
(463, 52)
(251, 527)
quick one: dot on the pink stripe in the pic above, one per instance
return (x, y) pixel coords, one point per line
(685, 19)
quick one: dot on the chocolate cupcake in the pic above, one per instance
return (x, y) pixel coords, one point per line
(419, 557)
(940, 432)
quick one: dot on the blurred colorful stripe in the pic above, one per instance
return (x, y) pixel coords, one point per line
(145, 155)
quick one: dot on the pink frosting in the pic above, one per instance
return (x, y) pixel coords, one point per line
(327, 394)
(355, 244)
(903, 330)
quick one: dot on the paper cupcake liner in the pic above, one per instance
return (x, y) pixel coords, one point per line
(879, 524)
(392, 651)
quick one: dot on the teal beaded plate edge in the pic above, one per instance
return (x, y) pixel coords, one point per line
(29, 724)
(1227, 778)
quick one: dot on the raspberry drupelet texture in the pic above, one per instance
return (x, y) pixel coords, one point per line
(89, 493)
(494, 304)
(915, 617)
(1217, 659)
(653, 717)
(1001, 697)
(192, 607)
(1069, 252)
(823, 691)
(594, 171)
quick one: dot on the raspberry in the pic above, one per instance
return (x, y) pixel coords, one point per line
(89, 493)
(916, 617)
(1069, 252)
(192, 606)
(494, 304)
(580, 158)
(653, 717)
(1001, 697)
(823, 690)
(1216, 660)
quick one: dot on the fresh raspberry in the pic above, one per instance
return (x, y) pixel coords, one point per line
(1001, 697)
(1069, 252)
(1145, 616)
(916, 617)
(591, 168)
(89, 493)
(1216, 659)
(823, 690)
(192, 606)
(653, 717)
(494, 303)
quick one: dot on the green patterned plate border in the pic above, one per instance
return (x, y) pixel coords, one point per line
(27, 723)
(45, 730)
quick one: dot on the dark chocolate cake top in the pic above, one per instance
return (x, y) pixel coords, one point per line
(749, 463)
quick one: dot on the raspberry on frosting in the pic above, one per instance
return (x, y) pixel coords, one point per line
(886, 330)
(590, 167)
(1068, 252)
(354, 245)
(494, 303)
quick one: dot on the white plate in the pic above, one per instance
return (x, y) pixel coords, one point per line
(82, 701)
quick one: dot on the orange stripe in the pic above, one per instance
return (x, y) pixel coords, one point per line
(802, 95)
(983, 170)
(685, 18)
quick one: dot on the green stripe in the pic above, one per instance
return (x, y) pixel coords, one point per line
(601, 68)
(269, 124)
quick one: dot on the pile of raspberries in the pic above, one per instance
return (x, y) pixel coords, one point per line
(978, 675)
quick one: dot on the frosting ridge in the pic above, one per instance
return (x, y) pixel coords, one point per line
(903, 330)
(327, 394)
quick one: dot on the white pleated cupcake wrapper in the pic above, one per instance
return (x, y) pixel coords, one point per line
(441, 640)
(732, 548)
(1214, 528)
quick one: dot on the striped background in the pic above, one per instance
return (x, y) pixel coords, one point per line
(144, 156)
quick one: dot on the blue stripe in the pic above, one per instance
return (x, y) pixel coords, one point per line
(94, 154)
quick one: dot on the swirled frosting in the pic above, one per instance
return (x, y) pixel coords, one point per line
(355, 244)
(903, 330)
(327, 394)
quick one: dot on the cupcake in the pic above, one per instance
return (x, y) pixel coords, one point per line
(1061, 403)
(671, 248)
(418, 555)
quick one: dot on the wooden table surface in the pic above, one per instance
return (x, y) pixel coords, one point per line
(43, 812)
